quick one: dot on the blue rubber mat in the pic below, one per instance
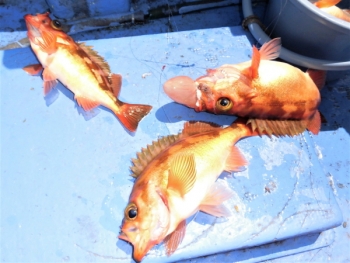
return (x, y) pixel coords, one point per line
(65, 173)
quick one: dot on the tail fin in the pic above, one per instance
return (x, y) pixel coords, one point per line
(131, 114)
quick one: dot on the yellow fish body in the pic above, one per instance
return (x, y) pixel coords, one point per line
(176, 177)
(79, 68)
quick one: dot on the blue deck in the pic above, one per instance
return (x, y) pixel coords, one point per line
(65, 173)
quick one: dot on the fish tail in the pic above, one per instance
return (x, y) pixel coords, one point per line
(131, 114)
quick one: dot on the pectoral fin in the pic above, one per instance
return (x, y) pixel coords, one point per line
(213, 201)
(182, 174)
(173, 240)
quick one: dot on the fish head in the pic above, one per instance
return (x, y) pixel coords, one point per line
(221, 91)
(44, 32)
(146, 221)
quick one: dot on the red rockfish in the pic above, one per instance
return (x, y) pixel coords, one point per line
(329, 6)
(277, 98)
(79, 68)
(176, 177)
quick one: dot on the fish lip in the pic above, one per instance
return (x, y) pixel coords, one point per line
(181, 89)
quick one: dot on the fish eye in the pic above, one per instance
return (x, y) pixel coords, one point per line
(56, 24)
(224, 104)
(131, 212)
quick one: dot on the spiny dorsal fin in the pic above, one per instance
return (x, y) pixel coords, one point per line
(148, 154)
(192, 128)
(278, 127)
(96, 58)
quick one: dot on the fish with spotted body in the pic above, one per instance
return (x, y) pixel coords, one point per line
(275, 97)
(79, 68)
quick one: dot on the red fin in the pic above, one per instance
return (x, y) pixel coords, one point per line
(147, 154)
(49, 85)
(49, 44)
(213, 201)
(192, 128)
(318, 76)
(255, 63)
(116, 84)
(48, 75)
(173, 240)
(271, 50)
(314, 124)
(277, 127)
(131, 114)
(33, 69)
(86, 103)
(182, 174)
(235, 161)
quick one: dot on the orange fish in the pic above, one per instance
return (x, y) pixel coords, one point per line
(176, 177)
(277, 98)
(79, 68)
(329, 6)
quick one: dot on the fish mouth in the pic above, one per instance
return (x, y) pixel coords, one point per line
(140, 248)
(182, 89)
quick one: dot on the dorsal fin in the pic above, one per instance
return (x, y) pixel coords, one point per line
(148, 154)
(254, 68)
(192, 128)
(271, 50)
(278, 127)
(96, 58)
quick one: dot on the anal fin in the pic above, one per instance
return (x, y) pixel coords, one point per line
(235, 161)
(86, 103)
(213, 201)
(314, 124)
(173, 240)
